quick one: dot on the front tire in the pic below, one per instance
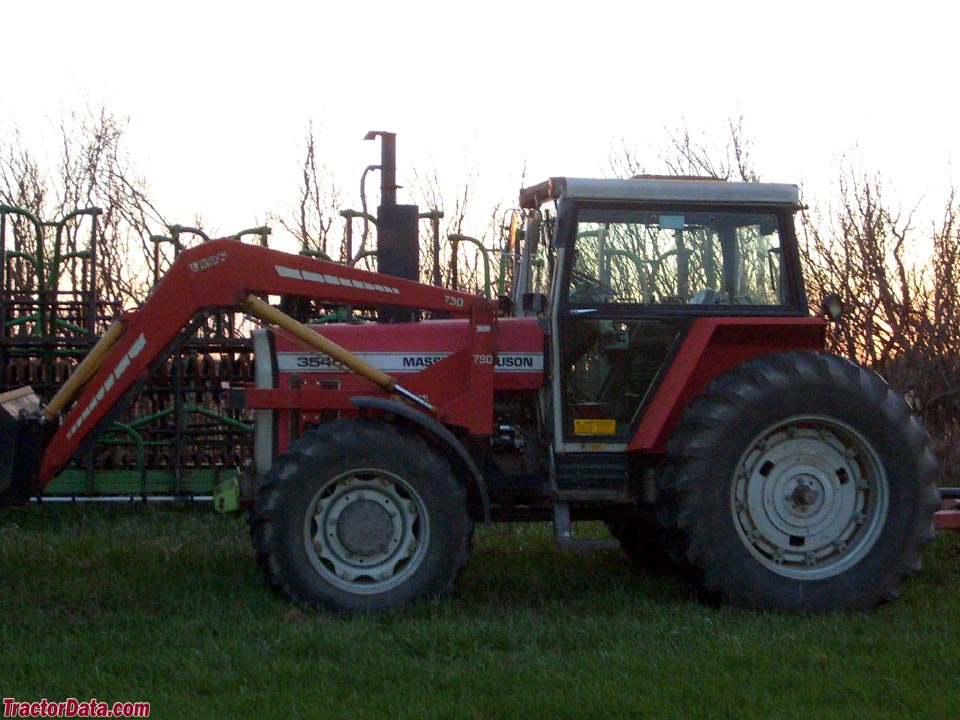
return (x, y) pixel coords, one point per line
(360, 515)
(799, 481)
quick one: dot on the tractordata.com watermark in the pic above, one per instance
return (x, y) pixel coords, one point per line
(72, 707)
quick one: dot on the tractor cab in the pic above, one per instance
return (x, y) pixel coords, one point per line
(624, 268)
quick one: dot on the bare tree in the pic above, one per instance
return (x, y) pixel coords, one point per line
(458, 266)
(688, 154)
(940, 402)
(861, 248)
(929, 366)
(92, 170)
(902, 317)
(691, 153)
(942, 311)
(626, 161)
(314, 220)
(22, 185)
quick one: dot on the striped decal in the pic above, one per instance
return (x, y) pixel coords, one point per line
(295, 274)
(394, 362)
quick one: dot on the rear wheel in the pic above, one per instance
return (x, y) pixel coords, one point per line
(641, 539)
(799, 481)
(361, 515)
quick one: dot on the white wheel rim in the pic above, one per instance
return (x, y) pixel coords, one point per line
(810, 497)
(366, 531)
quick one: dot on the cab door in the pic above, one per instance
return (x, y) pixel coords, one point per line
(631, 282)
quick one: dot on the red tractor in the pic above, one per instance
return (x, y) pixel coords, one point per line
(655, 368)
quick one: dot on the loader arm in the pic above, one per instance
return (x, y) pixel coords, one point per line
(226, 274)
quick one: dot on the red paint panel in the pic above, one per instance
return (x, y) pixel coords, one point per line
(947, 520)
(712, 347)
(421, 349)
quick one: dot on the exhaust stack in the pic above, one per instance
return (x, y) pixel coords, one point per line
(398, 241)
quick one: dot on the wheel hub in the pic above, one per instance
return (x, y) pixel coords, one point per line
(802, 497)
(810, 497)
(365, 528)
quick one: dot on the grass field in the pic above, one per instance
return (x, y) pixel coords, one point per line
(165, 604)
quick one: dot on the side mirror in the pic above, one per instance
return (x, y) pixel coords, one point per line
(832, 307)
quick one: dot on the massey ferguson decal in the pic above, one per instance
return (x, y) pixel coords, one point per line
(398, 362)
(520, 362)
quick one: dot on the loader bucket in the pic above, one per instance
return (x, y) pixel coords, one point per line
(22, 440)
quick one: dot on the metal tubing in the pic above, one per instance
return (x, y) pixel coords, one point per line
(37, 260)
(156, 240)
(53, 281)
(144, 498)
(54, 269)
(508, 254)
(434, 216)
(317, 253)
(402, 391)
(484, 255)
(177, 230)
(83, 372)
(177, 415)
(260, 232)
(91, 276)
(363, 255)
(388, 165)
(349, 215)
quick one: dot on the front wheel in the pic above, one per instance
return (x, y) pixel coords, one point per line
(361, 515)
(800, 481)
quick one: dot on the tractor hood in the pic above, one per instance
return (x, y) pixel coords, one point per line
(407, 348)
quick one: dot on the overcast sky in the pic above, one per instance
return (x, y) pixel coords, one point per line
(219, 94)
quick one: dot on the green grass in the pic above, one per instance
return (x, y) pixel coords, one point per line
(165, 604)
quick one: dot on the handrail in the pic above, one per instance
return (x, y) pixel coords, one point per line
(455, 238)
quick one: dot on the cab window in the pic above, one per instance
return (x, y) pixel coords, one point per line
(676, 257)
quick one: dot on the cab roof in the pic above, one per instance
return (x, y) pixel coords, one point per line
(662, 189)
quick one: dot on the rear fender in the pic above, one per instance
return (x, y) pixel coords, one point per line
(713, 346)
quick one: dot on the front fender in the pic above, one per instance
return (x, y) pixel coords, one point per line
(453, 448)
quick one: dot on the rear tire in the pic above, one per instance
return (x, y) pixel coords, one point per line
(799, 481)
(360, 515)
(641, 539)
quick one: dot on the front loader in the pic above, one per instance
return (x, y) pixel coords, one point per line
(654, 367)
